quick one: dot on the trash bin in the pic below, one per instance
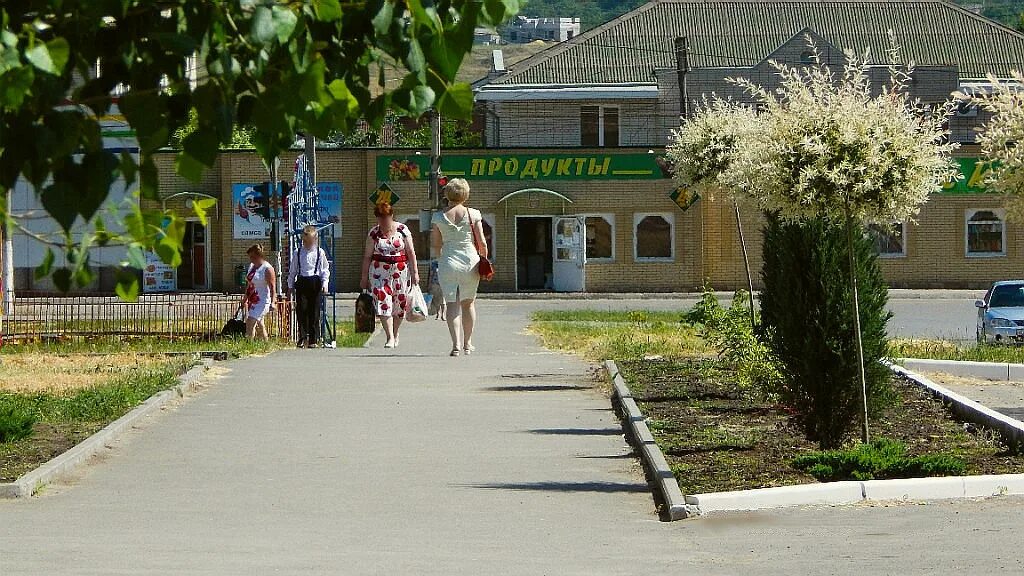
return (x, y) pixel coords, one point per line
(240, 276)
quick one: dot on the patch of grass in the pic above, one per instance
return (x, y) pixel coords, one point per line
(946, 350)
(634, 316)
(882, 459)
(65, 417)
(624, 340)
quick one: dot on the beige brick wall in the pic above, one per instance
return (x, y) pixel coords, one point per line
(706, 239)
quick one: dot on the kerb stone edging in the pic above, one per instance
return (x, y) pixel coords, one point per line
(65, 463)
(654, 461)
(830, 493)
(997, 371)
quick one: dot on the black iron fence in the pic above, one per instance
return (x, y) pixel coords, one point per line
(40, 317)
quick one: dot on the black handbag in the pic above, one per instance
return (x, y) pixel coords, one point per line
(234, 326)
(364, 315)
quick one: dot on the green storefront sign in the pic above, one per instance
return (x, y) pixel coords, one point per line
(973, 172)
(524, 167)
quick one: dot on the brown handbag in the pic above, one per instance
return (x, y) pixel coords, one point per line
(484, 268)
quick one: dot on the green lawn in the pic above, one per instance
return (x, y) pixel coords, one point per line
(623, 335)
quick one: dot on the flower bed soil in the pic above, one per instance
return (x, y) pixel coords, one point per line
(718, 437)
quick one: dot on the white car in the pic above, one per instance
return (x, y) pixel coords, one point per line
(1001, 313)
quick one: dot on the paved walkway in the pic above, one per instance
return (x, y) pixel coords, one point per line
(368, 462)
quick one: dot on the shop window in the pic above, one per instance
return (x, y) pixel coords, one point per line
(986, 233)
(599, 126)
(488, 225)
(600, 238)
(890, 239)
(653, 238)
(420, 240)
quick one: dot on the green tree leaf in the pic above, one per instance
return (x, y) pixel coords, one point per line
(127, 288)
(15, 84)
(457, 101)
(327, 10)
(201, 206)
(50, 57)
(44, 269)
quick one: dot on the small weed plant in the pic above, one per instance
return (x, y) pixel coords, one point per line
(881, 459)
(15, 424)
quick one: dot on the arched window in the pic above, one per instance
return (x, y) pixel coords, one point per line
(600, 237)
(654, 236)
(986, 233)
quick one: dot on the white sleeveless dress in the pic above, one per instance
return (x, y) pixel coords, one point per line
(456, 266)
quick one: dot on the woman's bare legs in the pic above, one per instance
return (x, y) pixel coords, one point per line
(468, 309)
(397, 323)
(387, 323)
(254, 328)
(454, 325)
(250, 327)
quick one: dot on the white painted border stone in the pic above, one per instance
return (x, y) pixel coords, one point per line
(65, 463)
(830, 494)
(654, 460)
(998, 371)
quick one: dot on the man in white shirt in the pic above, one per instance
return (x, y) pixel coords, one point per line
(309, 277)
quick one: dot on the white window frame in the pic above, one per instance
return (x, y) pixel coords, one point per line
(610, 219)
(968, 214)
(600, 124)
(668, 217)
(903, 234)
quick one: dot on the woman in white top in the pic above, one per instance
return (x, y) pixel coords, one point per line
(308, 277)
(260, 292)
(457, 239)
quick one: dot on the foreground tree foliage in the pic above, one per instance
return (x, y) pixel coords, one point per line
(808, 323)
(278, 66)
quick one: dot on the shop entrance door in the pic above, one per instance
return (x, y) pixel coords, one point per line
(570, 250)
(193, 273)
(533, 253)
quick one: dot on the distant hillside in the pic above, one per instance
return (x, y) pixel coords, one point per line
(595, 12)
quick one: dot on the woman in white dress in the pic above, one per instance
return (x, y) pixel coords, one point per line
(260, 292)
(457, 238)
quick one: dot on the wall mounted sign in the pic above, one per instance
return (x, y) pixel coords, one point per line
(684, 198)
(973, 173)
(526, 167)
(157, 276)
(248, 208)
(384, 195)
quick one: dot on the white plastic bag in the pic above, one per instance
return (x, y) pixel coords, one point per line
(417, 311)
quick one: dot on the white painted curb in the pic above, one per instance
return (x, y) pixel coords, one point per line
(998, 371)
(64, 464)
(829, 494)
(654, 460)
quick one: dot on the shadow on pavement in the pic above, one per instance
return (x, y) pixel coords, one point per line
(534, 388)
(578, 431)
(603, 487)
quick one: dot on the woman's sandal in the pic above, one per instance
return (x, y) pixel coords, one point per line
(469, 350)
(454, 353)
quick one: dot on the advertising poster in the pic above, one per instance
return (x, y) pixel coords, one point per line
(247, 204)
(330, 204)
(157, 276)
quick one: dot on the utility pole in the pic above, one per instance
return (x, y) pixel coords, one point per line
(435, 159)
(275, 222)
(8, 260)
(311, 157)
(682, 68)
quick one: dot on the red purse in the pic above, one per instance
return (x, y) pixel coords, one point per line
(484, 268)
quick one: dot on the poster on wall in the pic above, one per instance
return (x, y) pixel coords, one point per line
(330, 204)
(248, 222)
(247, 209)
(157, 276)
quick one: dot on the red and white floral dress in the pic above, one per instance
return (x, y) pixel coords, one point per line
(389, 271)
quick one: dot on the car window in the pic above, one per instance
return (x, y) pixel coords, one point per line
(1007, 296)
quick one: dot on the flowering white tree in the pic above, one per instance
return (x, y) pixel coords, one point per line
(827, 146)
(1000, 138)
(704, 148)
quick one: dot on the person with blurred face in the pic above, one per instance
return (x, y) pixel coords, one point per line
(389, 271)
(260, 292)
(308, 278)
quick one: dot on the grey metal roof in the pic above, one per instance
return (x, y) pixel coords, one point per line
(733, 33)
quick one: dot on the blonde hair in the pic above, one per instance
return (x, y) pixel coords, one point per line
(309, 231)
(457, 191)
(255, 250)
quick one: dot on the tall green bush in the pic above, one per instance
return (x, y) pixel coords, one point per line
(808, 323)
(15, 423)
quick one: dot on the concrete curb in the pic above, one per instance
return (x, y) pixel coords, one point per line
(64, 464)
(654, 461)
(998, 371)
(1011, 430)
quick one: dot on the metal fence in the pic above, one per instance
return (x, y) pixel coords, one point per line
(41, 317)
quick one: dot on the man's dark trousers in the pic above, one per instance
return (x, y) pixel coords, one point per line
(307, 308)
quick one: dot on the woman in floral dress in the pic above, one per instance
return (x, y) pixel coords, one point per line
(389, 271)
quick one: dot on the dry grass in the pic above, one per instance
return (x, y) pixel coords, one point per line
(40, 372)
